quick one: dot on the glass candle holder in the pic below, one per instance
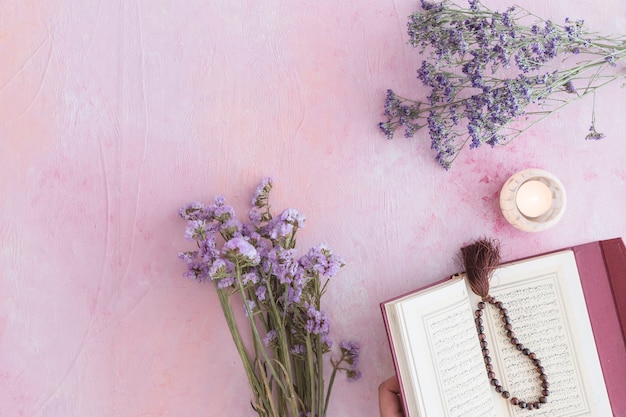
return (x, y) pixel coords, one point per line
(532, 200)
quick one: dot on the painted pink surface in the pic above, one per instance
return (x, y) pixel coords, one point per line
(114, 114)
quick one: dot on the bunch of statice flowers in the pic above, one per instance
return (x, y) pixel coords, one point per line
(259, 278)
(493, 75)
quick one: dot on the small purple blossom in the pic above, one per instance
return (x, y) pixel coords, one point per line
(282, 228)
(250, 307)
(298, 349)
(269, 337)
(321, 260)
(255, 217)
(292, 216)
(429, 5)
(283, 264)
(191, 211)
(261, 192)
(208, 250)
(593, 134)
(223, 213)
(294, 294)
(196, 229)
(351, 351)
(250, 277)
(353, 375)
(569, 87)
(278, 229)
(611, 59)
(231, 227)
(188, 256)
(219, 268)
(316, 320)
(197, 270)
(350, 356)
(327, 341)
(260, 292)
(219, 200)
(240, 248)
(228, 281)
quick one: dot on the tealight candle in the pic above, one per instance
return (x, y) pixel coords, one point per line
(533, 198)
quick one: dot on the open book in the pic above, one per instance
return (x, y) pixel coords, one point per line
(439, 361)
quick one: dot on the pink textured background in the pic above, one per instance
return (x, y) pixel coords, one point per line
(113, 114)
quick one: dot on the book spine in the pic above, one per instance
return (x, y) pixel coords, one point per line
(614, 253)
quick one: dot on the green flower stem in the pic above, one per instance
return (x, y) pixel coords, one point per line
(299, 374)
(320, 376)
(319, 352)
(311, 373)
(292, 398)
(268, 391)
(259, 342)
(332, 380)
(224, 298)
(545, 114)
(260, 369)
(283, 346)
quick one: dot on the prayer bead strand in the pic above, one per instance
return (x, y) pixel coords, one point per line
(506, 320)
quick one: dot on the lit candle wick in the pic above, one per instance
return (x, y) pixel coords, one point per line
(533, 198)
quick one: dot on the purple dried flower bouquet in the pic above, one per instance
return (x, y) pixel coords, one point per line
(256, 270)
(490, 76)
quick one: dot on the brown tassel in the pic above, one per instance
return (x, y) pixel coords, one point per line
(480, 259)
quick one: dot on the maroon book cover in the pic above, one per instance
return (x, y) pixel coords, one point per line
(602, 270)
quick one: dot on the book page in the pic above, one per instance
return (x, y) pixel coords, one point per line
(438, 355)
(548, 313)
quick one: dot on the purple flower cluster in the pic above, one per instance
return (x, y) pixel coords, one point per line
(320, 260)
(269, 337)
(593, 134)
(263, 242)
(484, 72)
(350, 352)
(280, 290)
(316, 322)
(238, 248)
